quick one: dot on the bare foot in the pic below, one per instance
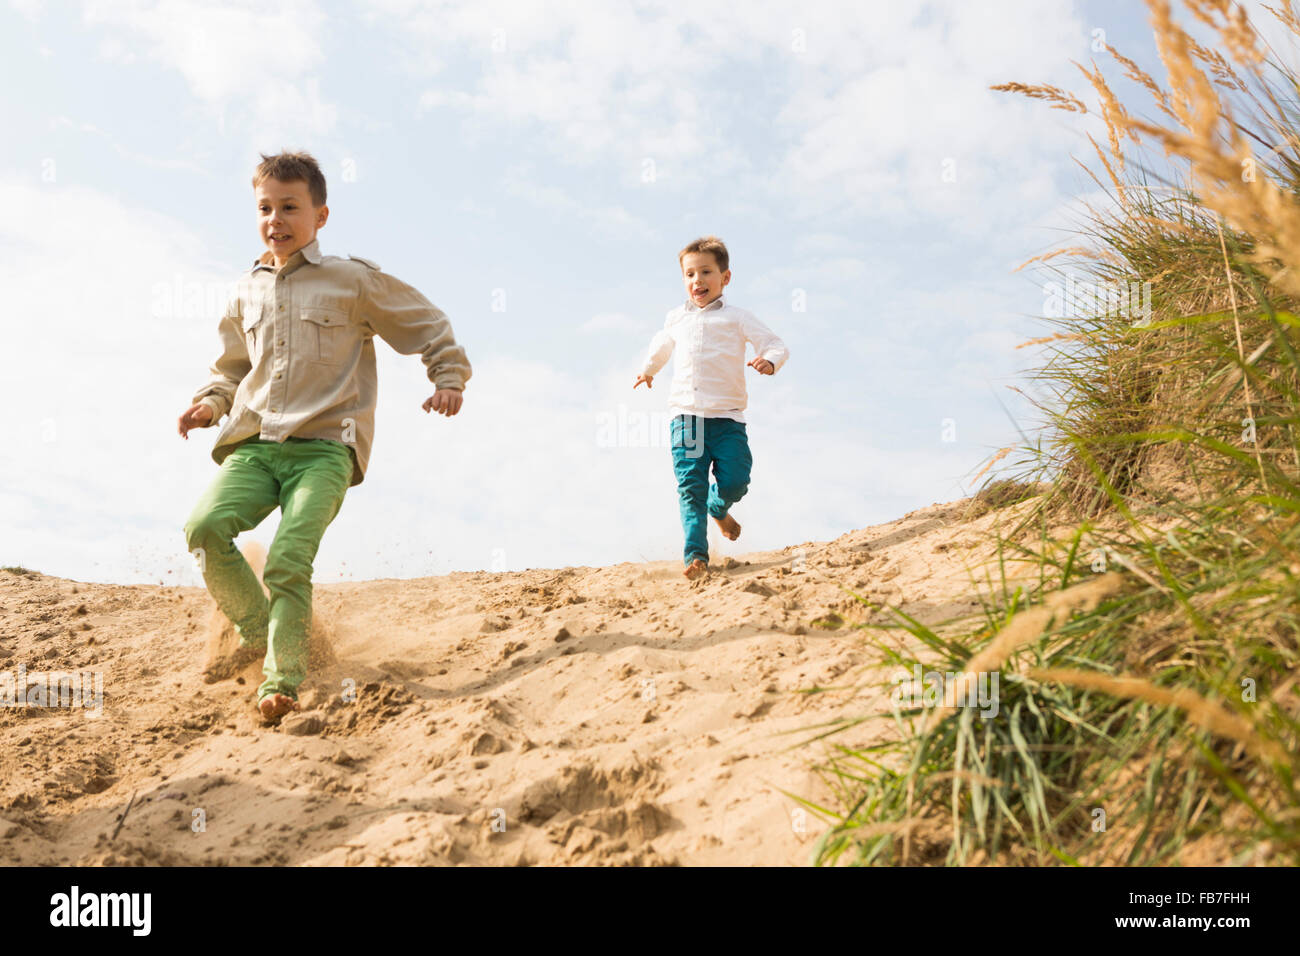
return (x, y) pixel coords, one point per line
(730, 527)
(229, 665)
(696, 569)
(275, 706)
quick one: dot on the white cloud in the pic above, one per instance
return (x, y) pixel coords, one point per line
(244, 57)
(31, 9)
(128, 304)
(613, 322)
(65, 122)
(605, 221)
(861, 104)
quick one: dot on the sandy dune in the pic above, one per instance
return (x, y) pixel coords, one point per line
(616, 715)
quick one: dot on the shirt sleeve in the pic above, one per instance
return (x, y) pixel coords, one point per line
(661, 349)
(766, 343)
(230, 367)
(401, 316)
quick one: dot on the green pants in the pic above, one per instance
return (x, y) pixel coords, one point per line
(307, 479)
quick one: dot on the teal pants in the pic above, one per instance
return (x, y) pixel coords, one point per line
(697, 443)
(306, 479)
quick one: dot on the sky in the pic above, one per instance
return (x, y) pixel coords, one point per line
(534, 169)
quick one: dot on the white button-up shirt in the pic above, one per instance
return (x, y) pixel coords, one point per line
(709, 375)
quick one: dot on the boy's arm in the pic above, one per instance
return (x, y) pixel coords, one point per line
(230, 367)
(410, 323)
(766, 343)
(661, 349)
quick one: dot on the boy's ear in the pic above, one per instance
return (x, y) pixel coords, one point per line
(322, 214)
(726, 277)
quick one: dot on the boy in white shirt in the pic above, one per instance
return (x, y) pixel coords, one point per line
(708, 394)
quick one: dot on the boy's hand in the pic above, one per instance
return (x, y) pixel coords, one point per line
(445, 401)
(762, 366)
(196, 416)
(648, 379)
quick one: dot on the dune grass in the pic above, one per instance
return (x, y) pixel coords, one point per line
(1148, 704)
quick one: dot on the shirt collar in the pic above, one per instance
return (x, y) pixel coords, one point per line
(309, 252)
(717, 303)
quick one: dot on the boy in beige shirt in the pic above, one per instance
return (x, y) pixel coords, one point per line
(296, 379)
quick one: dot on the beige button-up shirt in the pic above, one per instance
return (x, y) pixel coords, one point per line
(298, 356)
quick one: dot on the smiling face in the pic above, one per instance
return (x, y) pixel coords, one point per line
(286, 219)
(702, 277)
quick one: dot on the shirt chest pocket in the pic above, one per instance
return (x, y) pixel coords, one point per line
(324, 334)
(254, 328)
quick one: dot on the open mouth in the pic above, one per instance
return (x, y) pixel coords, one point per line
(278, 237)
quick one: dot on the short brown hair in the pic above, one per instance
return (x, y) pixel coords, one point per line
(708, 244)
(293, 168)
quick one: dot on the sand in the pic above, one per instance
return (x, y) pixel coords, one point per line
(614, 715)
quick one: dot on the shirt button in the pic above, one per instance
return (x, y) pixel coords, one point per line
(275, 409)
